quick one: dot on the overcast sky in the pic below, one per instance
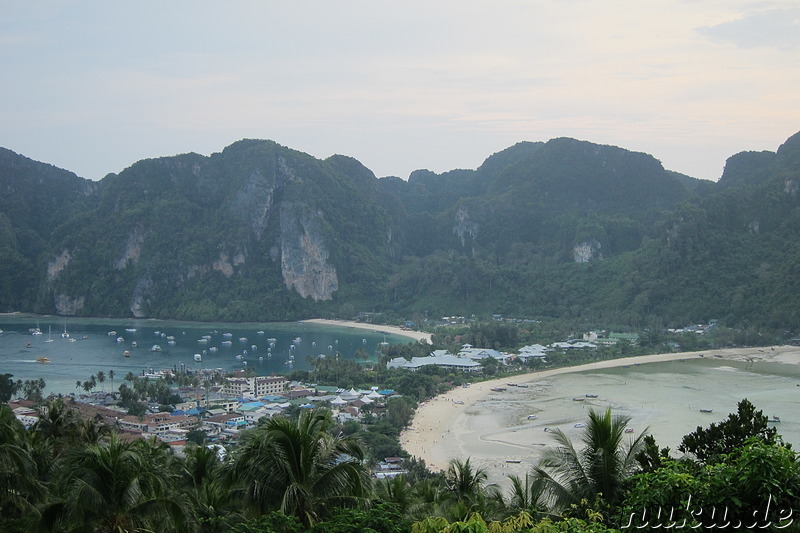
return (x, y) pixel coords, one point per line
(93, 87)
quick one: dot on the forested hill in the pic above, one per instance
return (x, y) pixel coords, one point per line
(563, 228)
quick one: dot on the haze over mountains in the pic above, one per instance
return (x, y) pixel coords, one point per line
(259, 231)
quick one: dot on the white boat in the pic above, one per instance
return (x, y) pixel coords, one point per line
(532, 417)
(242, 339)
(120, 339)
(775, 418)
(198, 357)
(134, 344)
(112, 333)
(130, 330)
(706, 410)
(226, 343)
(155, 348)
(49, 334)
(227, 335)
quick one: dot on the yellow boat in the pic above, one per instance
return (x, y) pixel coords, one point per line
(42, 359)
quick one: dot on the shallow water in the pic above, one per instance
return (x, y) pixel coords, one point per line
(94, 350)
(665, 399)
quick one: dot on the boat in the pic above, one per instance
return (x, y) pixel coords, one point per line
(628, 430)
(155, 348)
(120, 339)
(775, 418)
(49, 334)
(227, 335)
(591, 395)
(226, 343)
(578, 399)
(73, 340)
(130, 330)
(243, 339)
(579, 425)
(297, 340)
(260, 332)
(498, 389)
(42, 359)
(532, 417)
(112, 333)
(126, 353)
(65, 334)
(706, 410)
(515, 461)
(198, 357)
(134, 344)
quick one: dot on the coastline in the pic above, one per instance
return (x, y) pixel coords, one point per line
(491, 427)
(418, 336)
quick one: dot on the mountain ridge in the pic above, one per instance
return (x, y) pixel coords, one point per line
(259, 231)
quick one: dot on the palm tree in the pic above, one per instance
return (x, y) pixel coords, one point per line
(111, 487)
(524, 494)
(568, 476)
(111, 377)
(300, 468)
(19, 480)
(469, 492)
(101, 377)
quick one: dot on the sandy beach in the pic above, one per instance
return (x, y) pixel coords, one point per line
(504, 431)
(394, 330)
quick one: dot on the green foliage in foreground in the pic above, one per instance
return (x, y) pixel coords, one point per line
(308, 476)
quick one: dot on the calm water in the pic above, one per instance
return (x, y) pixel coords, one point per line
(93, 349)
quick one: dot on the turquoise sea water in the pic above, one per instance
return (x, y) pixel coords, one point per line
(93, 349)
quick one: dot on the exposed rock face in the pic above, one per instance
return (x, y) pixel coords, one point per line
(133, 248)
(58, 264)
(464, 226)
(791, 186)
(69, 306)
(226, 265)
(304, 256)
(141, 294)
(586, 251)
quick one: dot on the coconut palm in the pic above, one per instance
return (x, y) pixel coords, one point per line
(112, 487)
(299, 467)
(19, 480)
(469, 491)
(568, 475)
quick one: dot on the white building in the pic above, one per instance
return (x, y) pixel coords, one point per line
(439, 358)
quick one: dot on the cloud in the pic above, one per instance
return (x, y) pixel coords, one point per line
(774, 28)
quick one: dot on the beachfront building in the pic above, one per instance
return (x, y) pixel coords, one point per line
(572, 345)
(439, 358)
(477, 354)
(533, 351)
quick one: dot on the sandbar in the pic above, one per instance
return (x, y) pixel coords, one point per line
(492, 427)
(418, 336)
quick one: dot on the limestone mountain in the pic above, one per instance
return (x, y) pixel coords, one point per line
(259, 231)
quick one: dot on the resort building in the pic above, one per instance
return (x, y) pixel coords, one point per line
(439, 358)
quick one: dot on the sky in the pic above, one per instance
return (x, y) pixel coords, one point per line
(93, 86)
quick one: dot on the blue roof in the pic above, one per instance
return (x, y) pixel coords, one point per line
(177, 412)
(193, 411)
(386, 392)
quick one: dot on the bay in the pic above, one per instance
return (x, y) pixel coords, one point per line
(90, 347)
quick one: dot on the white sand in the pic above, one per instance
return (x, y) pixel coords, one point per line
(492, 427)
(394, 330)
